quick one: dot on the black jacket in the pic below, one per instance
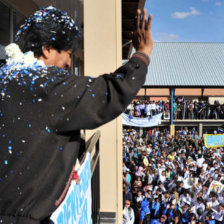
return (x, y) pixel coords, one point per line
(41, 114)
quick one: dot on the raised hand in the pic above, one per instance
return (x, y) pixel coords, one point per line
(142, 37)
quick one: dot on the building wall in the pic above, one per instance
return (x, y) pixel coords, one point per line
(213, 99)
(102, 47)
(181, 92)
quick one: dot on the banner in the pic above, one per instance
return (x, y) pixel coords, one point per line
(188, 182)
(216, 187)
(214, 140)
(76, 207)
(141, 122)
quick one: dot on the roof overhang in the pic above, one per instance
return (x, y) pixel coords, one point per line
(186, 65)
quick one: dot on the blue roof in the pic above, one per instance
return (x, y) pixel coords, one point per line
(186, 65)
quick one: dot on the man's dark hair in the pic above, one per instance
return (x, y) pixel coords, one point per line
(47, 27)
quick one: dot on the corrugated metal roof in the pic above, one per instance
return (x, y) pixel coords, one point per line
(186, 65)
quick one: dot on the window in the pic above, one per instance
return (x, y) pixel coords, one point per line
(4, 29)
(18, 20)
(10, 21)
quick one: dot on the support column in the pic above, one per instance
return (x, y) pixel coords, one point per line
(171, 105)
(172, 126)
(202, 93)
(108, 45)
(172, 129)
(200, 129)
(145, 93)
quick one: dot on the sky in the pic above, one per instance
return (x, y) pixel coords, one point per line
(187, 20)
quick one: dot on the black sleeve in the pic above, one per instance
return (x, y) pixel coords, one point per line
(86, 103)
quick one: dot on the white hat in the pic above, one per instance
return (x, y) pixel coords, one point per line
(149, 189)
(187, 202)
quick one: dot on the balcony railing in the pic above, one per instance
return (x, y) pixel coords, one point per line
(92, 146)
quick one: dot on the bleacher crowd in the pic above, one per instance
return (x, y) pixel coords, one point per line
(182, 109)
(169, 180)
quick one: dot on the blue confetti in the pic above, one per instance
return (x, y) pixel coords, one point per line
(93, 95)
(10, 147)
(61, 149)
(6, 162)
(120, 76)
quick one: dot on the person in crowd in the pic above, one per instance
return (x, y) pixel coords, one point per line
(127, 195)
(219, 214)
(128, 213)
(139, 197)
(145, 212)
(127, 177)
(180, 181)
(182, 109)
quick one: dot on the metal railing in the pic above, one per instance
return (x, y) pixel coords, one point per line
(93, 147)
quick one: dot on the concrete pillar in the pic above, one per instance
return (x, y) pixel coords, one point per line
(171, 105)
(103, 54)
(200, 127)
(172, 129)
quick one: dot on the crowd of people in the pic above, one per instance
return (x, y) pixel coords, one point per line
(181, 109)
(171, 179)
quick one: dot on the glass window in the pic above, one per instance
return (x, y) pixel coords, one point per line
(74, 9)
(4, 29)
(78, 63)
(18, 20)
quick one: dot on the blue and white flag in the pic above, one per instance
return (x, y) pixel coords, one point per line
(161, 103)
(183, 134)
(183, 99)
(154, 144)
(220, 130)
(166, 132)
